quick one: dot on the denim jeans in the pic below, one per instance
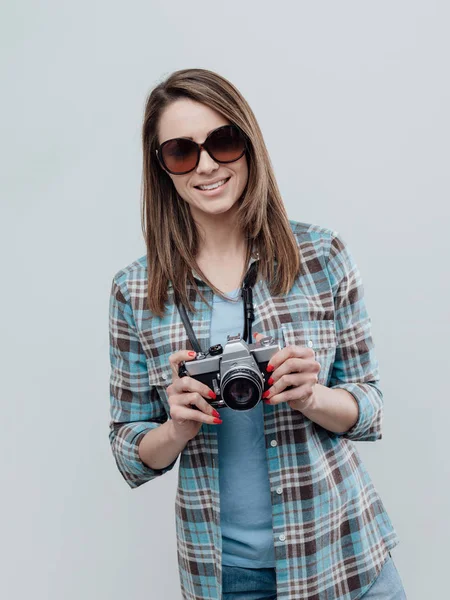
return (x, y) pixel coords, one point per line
(260, 584)
(388, 585)
(239, 583)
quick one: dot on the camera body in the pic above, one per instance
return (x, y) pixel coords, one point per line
(236, 373)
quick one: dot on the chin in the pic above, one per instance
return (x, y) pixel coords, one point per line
(220, 210)
(217, 207)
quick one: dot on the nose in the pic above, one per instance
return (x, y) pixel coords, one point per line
(206, 164)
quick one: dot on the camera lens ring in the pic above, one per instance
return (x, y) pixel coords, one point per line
(251, 385)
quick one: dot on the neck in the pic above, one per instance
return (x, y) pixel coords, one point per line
(220, 237)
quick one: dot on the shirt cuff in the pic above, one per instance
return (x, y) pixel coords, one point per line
(370, 411)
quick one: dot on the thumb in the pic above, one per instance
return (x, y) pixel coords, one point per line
(258, 336)
(177, 358)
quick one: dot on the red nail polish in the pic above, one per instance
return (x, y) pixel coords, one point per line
(192, 353)
(266, 394)
(267, 402)
(269, 368)
(218, 421)
(216, 414)
(212, 395)
(270, 382)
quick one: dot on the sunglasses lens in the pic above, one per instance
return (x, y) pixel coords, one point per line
(227, 144)
(179, 156)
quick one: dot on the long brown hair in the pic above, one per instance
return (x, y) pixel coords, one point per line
(169, 230)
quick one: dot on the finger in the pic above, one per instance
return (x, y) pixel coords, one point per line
(294, 365)
(299, 394)
(287, 381)
(308, 376)
(289, 352)
(194, 398)
(177, 358)
(189, 384)
(184, 413)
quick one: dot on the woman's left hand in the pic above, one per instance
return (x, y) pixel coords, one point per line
(295, 368)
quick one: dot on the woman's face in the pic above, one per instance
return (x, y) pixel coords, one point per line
(187, 118)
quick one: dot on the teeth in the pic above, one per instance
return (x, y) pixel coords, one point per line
(213, 186)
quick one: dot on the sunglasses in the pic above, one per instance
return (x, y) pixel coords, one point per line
(224, 145)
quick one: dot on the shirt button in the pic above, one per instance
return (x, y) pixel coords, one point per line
(310, 343)
(279, 490)
(273, 443)
(164, 376)
(282, 537)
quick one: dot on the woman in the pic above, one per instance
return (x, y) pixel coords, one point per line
(272, 502)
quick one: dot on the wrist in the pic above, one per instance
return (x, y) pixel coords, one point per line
(334, 409)
(176, 435)
(311, 406)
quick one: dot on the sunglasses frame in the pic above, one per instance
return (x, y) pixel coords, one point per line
(201, 147)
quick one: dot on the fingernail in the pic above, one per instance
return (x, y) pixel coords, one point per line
(267, 402)
(192, 353)
(217, 421)
(215, 413)
(212, 395)
(266, 394)
(270, 381)
(269, 368)
(254, 335)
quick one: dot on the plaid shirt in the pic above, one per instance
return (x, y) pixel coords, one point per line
(331, 532)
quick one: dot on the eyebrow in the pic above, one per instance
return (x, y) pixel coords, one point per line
(186, 137)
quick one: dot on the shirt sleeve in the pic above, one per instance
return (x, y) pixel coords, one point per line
(355, 367)
(135, 406)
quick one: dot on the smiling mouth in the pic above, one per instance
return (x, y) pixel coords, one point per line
(212, 186)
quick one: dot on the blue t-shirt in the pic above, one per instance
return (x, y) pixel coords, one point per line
(245, 501)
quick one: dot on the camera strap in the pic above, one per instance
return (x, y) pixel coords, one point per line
(247, 295)
(187, 325)
(249, 314)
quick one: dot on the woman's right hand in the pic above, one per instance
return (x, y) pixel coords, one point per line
(184, 391)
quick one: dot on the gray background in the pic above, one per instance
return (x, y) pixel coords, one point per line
(353, 99)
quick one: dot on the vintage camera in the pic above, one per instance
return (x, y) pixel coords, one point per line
(236, 373)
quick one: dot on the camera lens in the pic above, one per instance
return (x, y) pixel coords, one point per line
(241, 388)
